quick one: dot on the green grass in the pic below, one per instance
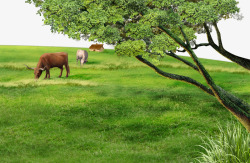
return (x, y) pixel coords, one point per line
(113, 109)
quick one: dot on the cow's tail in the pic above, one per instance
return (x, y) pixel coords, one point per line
(67, 66)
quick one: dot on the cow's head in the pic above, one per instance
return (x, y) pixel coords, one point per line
(37, 71)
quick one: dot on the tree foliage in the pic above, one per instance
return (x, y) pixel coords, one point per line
(148, 28)
(116, 21)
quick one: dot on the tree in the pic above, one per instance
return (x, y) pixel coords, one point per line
(149, 29)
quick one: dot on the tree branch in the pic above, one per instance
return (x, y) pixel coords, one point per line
(182, 60)
(171, 54)
(175, 76)
(218, 35)
(201, 44)
(244, 62)
(196, 46)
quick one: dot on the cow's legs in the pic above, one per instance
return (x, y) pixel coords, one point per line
(82, 61)
(78, 58)
(61, 71)
(47, 71)
(47, 76)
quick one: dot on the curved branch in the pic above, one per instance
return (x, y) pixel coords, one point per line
(196, 46)
(171, 54)
(175, 76)
(218, 35)
(244, 62)
(201, 44)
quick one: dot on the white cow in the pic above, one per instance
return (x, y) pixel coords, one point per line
(82, 55)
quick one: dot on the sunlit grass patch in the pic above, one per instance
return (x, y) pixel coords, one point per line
(236, 70)
(34, 83)
(18, 66)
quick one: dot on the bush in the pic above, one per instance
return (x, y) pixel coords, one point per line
(231, 146)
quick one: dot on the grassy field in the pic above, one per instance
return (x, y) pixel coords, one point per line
(113, 109)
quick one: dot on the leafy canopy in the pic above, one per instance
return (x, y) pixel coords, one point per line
(133, 25)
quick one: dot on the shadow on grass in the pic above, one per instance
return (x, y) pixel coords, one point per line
(87, 63)
(83, 76)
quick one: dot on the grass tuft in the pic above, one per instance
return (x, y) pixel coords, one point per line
(231, 145)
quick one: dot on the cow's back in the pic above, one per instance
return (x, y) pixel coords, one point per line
(55, 59)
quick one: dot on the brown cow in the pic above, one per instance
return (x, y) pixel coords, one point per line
(50, 60)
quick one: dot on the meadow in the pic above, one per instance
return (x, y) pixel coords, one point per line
(113, 109)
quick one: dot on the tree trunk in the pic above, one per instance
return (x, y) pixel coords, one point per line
(236, 106)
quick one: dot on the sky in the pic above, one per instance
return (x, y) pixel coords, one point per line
(20, 25)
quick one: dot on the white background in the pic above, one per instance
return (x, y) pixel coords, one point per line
(20, 25)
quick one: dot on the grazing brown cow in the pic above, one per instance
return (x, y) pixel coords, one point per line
(50, 60)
